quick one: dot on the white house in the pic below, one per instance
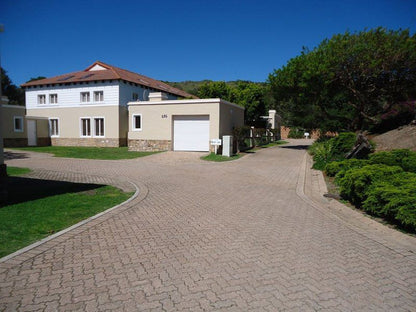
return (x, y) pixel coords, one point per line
(89, 107)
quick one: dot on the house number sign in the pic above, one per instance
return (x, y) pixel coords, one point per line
(164, 116)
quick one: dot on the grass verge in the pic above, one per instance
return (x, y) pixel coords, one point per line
(27, 222)
(271, 144)
(219, 158)
(16, 171)
(105, 153)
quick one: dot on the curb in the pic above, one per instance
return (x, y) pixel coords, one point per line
(140, 193)
(375, 231)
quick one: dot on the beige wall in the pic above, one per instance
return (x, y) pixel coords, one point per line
(70, 119)
(7, 122)
(230, 117)
(157, 119)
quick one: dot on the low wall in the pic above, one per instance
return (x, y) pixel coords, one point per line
(150, 145)
(93, 142)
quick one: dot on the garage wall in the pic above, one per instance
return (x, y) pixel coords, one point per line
(157, 120)
(231, 116)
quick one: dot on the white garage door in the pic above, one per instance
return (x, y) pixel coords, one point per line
(191, 133)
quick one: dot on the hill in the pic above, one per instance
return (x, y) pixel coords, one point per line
(193, 86)
(402, 137)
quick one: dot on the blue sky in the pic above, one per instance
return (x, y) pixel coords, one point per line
(180, 40)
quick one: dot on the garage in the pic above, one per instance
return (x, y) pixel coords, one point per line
(191, 133)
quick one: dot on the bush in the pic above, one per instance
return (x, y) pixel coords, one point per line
(296, 133)
(355, 182)
(330, 150)
(403, 158)
(394, 199)
(335, 167)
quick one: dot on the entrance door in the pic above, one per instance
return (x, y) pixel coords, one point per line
(31, 133)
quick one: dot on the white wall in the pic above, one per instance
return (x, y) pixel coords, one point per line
(70, 95)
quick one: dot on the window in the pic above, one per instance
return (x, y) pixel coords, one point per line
(53, 98)
(85, 127)
(41, 99)
(18, 123)
(54, 127)
(98, 96)
(137, 122)
(135, 96)
(99, 127)
(85, 97)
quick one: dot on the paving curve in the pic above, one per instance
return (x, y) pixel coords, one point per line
(202, 236)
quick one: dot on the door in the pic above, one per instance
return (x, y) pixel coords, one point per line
(31, 133)
(191, 133)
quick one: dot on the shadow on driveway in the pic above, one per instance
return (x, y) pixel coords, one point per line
(15, 155)
(21, 189)
(296, 147)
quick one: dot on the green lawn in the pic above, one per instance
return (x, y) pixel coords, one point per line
(219, 158)
(29, 221)
(16, 171)
(107, 153)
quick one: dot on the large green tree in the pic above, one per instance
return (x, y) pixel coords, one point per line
(248, 94)
(349, 81)
(15, 94)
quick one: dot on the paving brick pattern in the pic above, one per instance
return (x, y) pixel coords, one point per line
(249, 235)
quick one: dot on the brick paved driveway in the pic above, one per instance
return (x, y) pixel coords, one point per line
(252, 234)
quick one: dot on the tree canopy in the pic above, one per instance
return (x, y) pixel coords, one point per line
(15, 94)
(349, 82)
(248, 94)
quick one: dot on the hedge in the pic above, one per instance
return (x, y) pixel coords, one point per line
(403, 158)
(333, 168)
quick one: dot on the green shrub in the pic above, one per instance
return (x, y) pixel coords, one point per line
(330, 150)
(335, 167)
(343, 143)
(403, 158)
(354, 183)
(296, 133)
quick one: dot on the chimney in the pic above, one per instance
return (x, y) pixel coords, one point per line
(157, 96)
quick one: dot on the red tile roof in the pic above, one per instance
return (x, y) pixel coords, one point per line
(109, 73)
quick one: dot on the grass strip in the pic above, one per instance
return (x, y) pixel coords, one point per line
(105, 153)
(27, 222)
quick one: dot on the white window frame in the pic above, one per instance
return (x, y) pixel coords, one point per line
(21, 123)
(133, 123)
(81, 128)
(57, 127)
(53, 96)
(86, 93)
(95, 128)
(100, 95)
(41, 99)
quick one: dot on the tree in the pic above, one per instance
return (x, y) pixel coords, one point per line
(15, 94)
(347, 82)
(248, 94)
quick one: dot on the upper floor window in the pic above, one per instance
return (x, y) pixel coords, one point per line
(85, 97)
(41, 99)
(98, 96)
(18, 123)
(135, 96)
(53, 98)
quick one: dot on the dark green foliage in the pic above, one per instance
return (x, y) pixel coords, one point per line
(15, 94)
(296, 133)
(394, 199)
(353, 81)
(403, 158)
(356, 182)
(333, 149)
(335, 167)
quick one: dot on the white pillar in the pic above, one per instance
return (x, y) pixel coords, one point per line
(272, 119)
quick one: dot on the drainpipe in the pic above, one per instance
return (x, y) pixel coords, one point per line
(3, 171)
